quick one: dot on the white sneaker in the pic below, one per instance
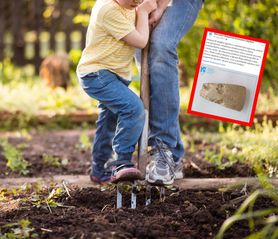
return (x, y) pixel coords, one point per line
(161, 169)
(178, 169)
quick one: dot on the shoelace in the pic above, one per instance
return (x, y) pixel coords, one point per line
(161, 147)
(115, 169)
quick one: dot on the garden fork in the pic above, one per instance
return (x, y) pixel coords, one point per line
(143, 142)
(143, 156)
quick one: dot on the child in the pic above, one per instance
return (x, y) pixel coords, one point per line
(104, 72)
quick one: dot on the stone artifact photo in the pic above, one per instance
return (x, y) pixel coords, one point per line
(228, 95)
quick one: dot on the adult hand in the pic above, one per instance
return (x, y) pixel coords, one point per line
(155, 16)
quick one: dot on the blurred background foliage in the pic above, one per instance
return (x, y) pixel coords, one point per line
(256, 18)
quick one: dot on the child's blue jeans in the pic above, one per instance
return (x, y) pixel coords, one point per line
(121, 118)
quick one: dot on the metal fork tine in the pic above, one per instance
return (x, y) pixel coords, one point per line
(133, 196)
(119, 196)
(148, 195)
(162, 194)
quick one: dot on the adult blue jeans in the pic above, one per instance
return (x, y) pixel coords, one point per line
(121, 118)
(164, 81)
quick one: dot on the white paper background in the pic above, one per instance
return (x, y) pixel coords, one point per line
(218, 75)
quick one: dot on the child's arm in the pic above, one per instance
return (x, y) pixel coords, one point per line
(139, 37)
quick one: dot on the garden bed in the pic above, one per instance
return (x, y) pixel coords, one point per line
(45, 209)
(68, 152)
(91, 213)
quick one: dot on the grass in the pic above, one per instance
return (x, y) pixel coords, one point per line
(14, 157)
(51, 160)
(32, 98)
(19, 230)
(36, 98)
(22, 90)
(30, 195)
(267, 217)
(84, 142)
(256, 146)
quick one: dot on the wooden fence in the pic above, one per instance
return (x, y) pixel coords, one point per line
(32, 29)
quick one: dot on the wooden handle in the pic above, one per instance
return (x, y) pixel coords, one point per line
(145, 97)
(145, 83)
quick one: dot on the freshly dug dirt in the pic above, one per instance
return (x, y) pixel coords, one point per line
(75, 159)
(91, 213)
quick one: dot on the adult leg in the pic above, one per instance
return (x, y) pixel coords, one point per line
(163, 60)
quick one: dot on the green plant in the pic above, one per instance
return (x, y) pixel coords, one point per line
(267, 102)
(22, 191)
(255, 146)
(12, 74)
(19, 230)
(14, 158)
(84, 141)
(75, 56)
(218, 158)
(20, 98)
(267, 218)
(51, 160)
(257, 18)
(84, 16)
(40, 201)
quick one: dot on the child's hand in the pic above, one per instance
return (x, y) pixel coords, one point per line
(148, 6)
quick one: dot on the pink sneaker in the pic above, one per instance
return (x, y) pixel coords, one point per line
(125, 173)
(96, 180)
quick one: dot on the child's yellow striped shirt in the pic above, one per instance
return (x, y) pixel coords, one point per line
(109, 23)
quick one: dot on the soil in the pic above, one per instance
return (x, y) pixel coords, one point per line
(75, 159)
(63, 145)
(91, 213)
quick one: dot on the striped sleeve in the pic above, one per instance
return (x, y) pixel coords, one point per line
(116, 24)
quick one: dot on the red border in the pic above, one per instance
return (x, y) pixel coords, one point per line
(190, 111)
